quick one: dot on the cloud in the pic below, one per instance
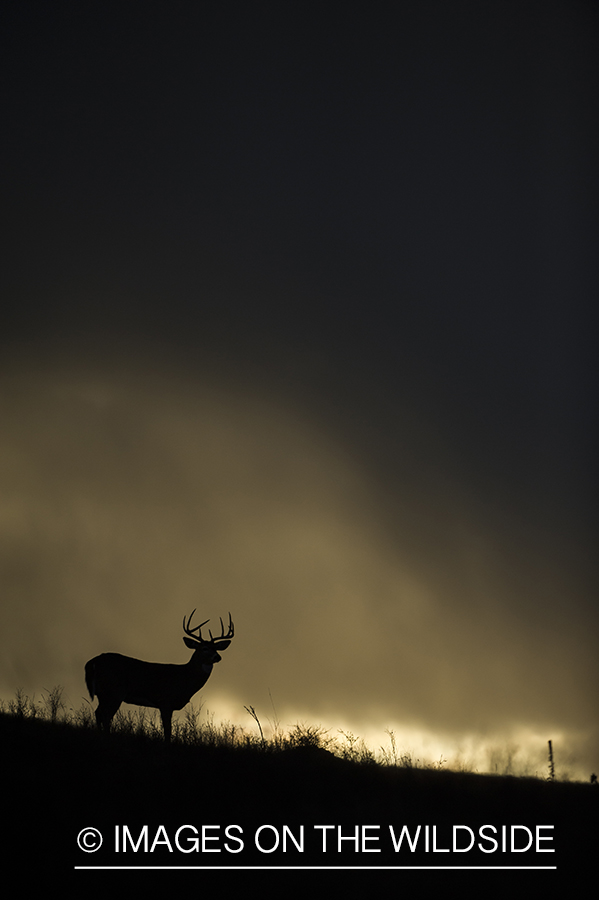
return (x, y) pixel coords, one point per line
(135, 490)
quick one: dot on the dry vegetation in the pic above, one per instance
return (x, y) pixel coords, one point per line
(60, 774)
(197, 728)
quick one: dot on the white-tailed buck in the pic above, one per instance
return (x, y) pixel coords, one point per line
(116, 679)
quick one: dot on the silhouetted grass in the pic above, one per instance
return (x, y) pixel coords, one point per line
(193, 728)
(60, 774)
(196, 728)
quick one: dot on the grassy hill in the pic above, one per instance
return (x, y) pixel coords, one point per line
(245, 803)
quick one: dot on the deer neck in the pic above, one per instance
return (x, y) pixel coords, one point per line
(201, 666)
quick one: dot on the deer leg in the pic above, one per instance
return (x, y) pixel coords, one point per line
(166, 715)
(105, 713)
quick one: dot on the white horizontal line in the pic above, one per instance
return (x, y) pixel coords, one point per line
(336, 868)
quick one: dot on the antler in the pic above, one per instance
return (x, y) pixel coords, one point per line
(190, 631)
(230, 633)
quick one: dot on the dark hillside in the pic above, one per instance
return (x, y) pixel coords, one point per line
(59, 779)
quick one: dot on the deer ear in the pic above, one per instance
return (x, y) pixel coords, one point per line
(189, 642)
(221, 645)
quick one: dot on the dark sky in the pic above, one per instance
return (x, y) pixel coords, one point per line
(355, 251)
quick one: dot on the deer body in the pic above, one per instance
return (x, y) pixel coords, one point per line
(117, 679)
